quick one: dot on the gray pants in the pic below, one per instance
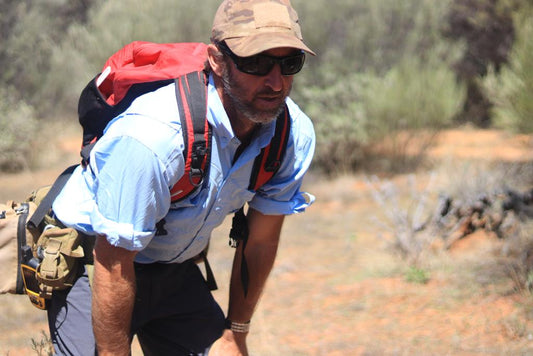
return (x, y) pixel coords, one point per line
(174, 313)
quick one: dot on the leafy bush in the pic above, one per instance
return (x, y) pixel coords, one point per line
(18, 127)
(359, 36)
(486, 28)
(364, 54)
(112, 25)
(511, 91)
(338, 115)
(381, 69)
(408, 107)
(31, 30)
(417, 275)
(405, 108)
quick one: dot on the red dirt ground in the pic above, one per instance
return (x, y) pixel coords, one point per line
(335, 289)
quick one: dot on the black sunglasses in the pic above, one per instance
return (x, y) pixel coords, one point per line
(262, 64)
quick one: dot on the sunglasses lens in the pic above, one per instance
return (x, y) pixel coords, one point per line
(256, 65)
(292, 65)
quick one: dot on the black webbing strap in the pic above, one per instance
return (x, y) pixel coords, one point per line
(46, 204)
(209, 275)
(22, 244)
(239, 233)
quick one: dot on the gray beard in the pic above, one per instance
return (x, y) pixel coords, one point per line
(246, 109)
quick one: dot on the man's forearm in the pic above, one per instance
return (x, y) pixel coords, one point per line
(260, 260)
(260, 253)
(113, 298)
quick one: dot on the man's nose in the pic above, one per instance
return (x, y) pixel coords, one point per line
(274, 78)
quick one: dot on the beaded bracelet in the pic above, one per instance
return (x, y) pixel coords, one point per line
(238, 327)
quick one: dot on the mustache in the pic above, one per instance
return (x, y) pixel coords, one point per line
(283, 93)
(271, 93)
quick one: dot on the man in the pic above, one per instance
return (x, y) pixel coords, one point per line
(146, 283)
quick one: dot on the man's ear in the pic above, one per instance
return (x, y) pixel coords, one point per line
(216, 60)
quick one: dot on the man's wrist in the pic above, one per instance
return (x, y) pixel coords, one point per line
(237, 327)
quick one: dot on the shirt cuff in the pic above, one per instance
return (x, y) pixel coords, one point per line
(298, 204)
(120, 234)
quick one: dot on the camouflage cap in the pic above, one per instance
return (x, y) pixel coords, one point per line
(253, 26)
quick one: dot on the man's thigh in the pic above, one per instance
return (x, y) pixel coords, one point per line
(175, 312)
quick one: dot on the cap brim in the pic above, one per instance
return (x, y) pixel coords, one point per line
(252, 45)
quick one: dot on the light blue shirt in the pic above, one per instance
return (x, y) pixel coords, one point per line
(125, 190)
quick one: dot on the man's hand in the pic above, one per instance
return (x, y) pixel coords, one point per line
(230, 344)
(113, 297)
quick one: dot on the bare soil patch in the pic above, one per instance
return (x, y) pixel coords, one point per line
(336, 289)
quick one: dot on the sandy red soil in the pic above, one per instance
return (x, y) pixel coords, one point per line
(336, 290)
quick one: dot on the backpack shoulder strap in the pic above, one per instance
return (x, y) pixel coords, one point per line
(191, 94)
(268, 162)
(35, 221)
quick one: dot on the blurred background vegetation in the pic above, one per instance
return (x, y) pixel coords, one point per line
(389, 74)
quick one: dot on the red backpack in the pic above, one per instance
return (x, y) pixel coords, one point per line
(142, 67)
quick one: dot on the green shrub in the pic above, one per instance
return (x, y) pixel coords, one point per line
(365, 49)
(407, 108)
(361, 35)
(511, 91)
(338, 116)
(18, 127)
(112, 25)
(417, 275)
(412, 95)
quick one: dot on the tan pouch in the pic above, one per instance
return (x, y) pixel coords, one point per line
(61, 253)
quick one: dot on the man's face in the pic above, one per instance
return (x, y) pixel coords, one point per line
(259, 98)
